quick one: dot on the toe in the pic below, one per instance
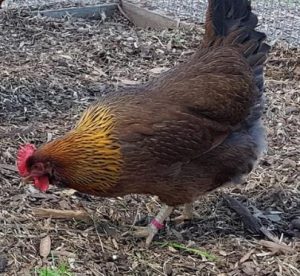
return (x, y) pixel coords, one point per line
(182, 218)
(144, 232)
(141, 232)
(149, 239)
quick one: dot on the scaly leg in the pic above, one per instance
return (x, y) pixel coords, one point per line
(187, 213)
(156, 224)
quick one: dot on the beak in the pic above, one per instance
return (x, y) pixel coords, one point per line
(28, 179)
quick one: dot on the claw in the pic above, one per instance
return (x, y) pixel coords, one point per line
(141, 232)
(156, 224)
(182, 218)
(188, 214)
(145, 232)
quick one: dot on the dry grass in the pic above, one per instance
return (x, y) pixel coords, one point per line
(49, 71)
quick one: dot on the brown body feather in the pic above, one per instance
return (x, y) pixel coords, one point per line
(188, 132)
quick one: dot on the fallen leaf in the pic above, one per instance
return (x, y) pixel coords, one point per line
(45, 246)
(246, 256)
(68, 192)
(223, 253)
(49, 136)
(295, 224)
(66, 57)
(169, 45)
(158, 70)
(3, 263)
(167, 268)
(249, 268)
(127, 81)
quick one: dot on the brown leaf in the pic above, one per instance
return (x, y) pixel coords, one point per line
(249, 268)
(246, 256)
(3, 263)
(167, 268)
(45, 246)
(169, 45)
(68, 192)
(297, 71)
(127, 81)
(295, 224)
(158, 70)
(275, 247)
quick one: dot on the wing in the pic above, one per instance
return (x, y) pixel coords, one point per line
(174, 137)
(188, 111)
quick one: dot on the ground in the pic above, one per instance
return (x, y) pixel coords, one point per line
(50, 71)
(280, 18)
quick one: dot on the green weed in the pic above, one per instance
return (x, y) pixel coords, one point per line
(190, 250)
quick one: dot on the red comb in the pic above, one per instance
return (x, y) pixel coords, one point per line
(23, 154)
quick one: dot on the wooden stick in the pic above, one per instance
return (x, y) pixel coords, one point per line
(252, 223)
(62, 214)
(275, 247)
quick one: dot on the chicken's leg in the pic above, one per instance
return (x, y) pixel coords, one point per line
(156, 224)
(187, 213)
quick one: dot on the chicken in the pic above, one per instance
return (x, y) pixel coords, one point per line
(191, 130)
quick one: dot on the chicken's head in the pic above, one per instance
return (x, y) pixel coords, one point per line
(33, 169)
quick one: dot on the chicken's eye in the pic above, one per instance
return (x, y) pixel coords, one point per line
(37, 167)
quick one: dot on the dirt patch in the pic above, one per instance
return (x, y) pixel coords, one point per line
(50, 70)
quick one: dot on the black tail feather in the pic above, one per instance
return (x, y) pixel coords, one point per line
(232, 23)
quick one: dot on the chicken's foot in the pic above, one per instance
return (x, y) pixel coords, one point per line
(156, 224)
(187, 214)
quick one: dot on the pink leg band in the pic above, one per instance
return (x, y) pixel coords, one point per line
(157, 224)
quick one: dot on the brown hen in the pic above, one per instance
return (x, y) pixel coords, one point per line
(179, 136)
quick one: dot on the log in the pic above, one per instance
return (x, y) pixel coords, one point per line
(144, 18)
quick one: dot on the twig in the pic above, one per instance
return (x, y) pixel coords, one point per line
(16, 131)
(275, 247)
(97, 232)
(8, 167)
(96, 228)
(251, 222)
(269, 235)
(62, 214)
(123, 13)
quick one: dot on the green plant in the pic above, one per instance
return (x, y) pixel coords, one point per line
(61, 270)
(190, 250)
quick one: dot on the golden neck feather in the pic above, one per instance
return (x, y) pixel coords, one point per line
(89, 156)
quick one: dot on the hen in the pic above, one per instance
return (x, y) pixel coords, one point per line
(188, 132)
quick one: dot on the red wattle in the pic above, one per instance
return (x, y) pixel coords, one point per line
(42, 183)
